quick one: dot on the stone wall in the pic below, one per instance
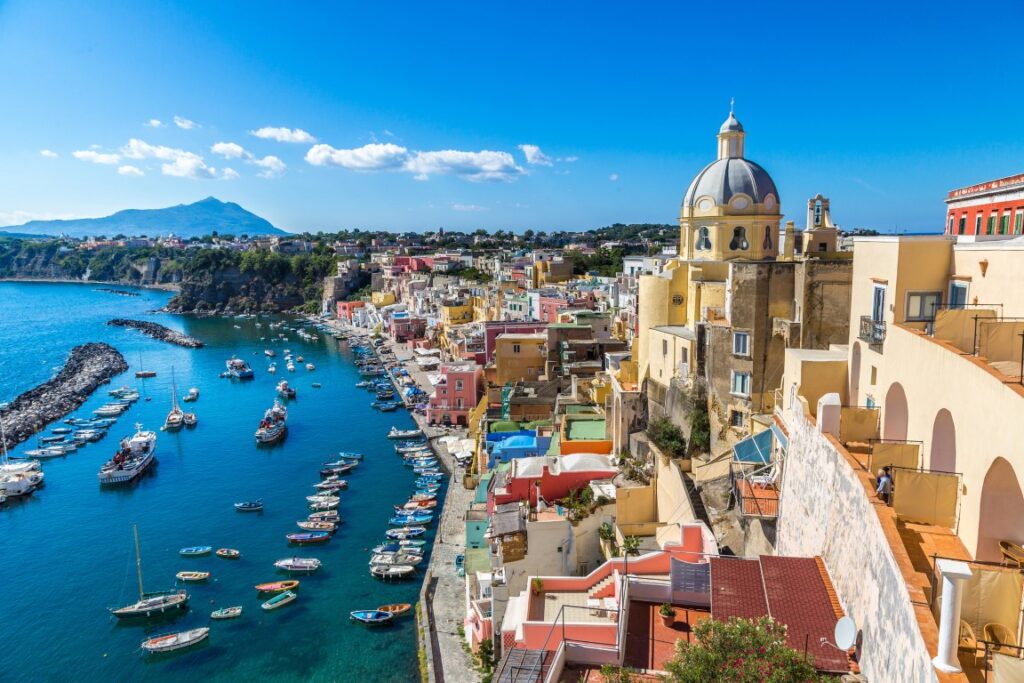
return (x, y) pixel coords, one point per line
(823, 293)
(825, 512)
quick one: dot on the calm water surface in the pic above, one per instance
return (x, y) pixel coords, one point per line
(67, 550)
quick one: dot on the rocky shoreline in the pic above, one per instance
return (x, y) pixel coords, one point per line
(157, 331)
(88, 366)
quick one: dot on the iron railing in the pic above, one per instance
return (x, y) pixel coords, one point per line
(872, 331)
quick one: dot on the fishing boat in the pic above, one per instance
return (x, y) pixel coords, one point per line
(150, 604)
(422, 497)
(411, 447)
(191, 396)
(277, 586)
(145, 374)
(279, 600)
(402, 571)
(109, 410)
(316, 385)
(249, 506)
(299, 359)
(297, 565)
(228, 553)
(417, 505)
(325, 516)
(385, 406)
(402, 533)
(285, 391)
(395, 609)
(176, 641)
(371, 616)
(196, 551)
(323, 505)
(309, 525)
(337, 470)
(226, 613)
(239, 369)
(395, 559)
(310, 366)
(272, 427)
(272, 368)
(331, 485)
(190, 419)
(62, 430)
(349, 456)
(269, 353)
(135, 455)
(323, 497)
(308, 537)
(192, 576)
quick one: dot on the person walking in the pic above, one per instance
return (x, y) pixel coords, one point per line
(884, 489)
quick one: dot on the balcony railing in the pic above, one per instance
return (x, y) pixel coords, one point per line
(872, 331)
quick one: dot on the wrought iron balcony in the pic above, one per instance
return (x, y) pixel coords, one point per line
(872, 331)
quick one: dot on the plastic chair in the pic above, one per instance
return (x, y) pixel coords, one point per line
(1002, 637)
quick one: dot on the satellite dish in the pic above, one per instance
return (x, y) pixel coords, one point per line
(846, 633)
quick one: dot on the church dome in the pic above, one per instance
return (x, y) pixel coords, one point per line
(731, 125)
(724, 178)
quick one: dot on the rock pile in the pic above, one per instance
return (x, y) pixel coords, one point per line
(157, 331)
(88, 366)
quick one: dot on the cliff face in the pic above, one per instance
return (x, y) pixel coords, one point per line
(229, 289)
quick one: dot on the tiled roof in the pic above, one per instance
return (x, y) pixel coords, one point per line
(737, 589)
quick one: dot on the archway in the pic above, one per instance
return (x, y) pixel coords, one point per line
(894, 414)
(943, 443)
(1002, 508)
(854, 389)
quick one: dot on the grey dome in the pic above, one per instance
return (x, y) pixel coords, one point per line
(731, 125)
(724, 178)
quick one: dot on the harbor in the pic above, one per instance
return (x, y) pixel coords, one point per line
(187, 499)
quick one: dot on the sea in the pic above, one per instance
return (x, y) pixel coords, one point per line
(67, 551)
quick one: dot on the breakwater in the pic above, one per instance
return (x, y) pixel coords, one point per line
(119, 292)
(158, 332)
(88, 366)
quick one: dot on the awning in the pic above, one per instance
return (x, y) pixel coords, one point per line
(755, 449)
(780, 436)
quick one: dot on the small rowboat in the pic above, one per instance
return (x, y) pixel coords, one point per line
(192, 576)
(327, 516)
(323, 497)
(276, 586)
(405, 532)
(402, 571)
(298, 564)
(249, 506)
(196, 551)
(175, 641)
(307, 525)
(396, 608)
(323, 505)
(371, 616)
(309, 537)
(404, 519)
(228, 553)
(279, 600)
(332, 485)
(226, 613)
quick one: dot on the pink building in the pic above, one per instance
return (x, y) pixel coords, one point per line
(345, 309)
(407, 328)
(553, 477)
(456, 394)
(551, 306)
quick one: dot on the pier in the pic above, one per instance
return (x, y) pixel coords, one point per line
(88, 366)
(159, 332)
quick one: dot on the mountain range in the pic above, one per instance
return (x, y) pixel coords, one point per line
(184, 220)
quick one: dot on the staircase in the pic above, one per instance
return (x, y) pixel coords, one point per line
(604, 588)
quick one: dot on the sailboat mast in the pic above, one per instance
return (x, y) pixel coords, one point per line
(138, 560)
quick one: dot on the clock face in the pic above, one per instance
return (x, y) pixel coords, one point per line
(705, 204)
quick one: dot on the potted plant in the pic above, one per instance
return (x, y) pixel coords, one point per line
(668, 614)
(537, 586)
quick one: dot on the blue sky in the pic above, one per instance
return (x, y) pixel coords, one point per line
(422, 110)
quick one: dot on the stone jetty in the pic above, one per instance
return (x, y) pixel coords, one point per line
(88, 366)
(157, 331)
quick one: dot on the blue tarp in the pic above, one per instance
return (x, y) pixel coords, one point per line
(755, 449)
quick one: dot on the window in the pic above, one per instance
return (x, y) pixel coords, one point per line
(949, 228)
(529, 371)
(767, 244)
(516, 348)
(703, 239)
(817, 214)
(957, 294)
(878, 304)
(739, 239)
(741, 383)
(869, 401)
(1018, 220)
(1004, 223)
(963, 224)
(735, 418)
(458, 403)
(741, 343)
(977, 224)
(922, 305)
(664, 347)
(458, 385)
(990, 227)
(684, 355)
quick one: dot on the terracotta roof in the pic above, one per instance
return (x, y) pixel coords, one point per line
(737, 589)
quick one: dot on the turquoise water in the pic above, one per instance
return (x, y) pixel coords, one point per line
(67, 550)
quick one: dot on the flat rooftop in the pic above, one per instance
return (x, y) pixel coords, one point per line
(586, 430)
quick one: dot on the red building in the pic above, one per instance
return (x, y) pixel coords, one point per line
(345, 309)
(992, 208)
(456, 394)
(553, 477)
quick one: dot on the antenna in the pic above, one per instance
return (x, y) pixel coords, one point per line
(845, 635)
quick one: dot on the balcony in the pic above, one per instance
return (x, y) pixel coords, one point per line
(872, 331)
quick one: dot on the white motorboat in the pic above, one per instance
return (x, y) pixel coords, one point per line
(297, 565)
(190, 419)
(310, 366)
(192, 395)
(20, 483)
(176, 641)
(272, 427)
(134, 457)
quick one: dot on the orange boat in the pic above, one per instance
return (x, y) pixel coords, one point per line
(396, 608)
(277, 586)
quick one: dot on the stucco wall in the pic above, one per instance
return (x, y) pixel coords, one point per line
(825, 512)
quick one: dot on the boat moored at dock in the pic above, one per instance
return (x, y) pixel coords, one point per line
(135, 455)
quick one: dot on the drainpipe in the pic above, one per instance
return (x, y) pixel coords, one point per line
(953, 572)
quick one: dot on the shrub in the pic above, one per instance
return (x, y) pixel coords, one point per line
(668, 437)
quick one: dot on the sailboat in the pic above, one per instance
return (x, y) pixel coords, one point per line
(143, 374)
(150, 604)
(175, 418)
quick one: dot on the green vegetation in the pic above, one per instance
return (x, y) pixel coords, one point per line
(474, 274)
(667, 437)
(604, 262)
(739, 651)
(700, 425)
(617, 674)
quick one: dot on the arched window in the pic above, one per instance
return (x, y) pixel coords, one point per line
(739, 239)
(767, 246)
(703, 239)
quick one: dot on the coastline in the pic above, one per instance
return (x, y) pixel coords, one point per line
(162, 287)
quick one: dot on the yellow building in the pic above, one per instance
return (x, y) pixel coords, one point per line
(382, 298)
(456, 313)
(519, 357)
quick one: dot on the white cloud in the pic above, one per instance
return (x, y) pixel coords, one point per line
(283, 134)
(18, 217)
(130, 170)
(569, 160)
(184, 123)
(96, 157)
(613, 177)
(271, 165)
(229, 174)
(179, 163)
(373, 157)
(469, 207)
(154, 123)
(535, 156)
(48, 153)
(230, 150)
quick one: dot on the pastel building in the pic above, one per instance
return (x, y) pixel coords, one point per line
(456, 394)
(995, 207)
(551, 478)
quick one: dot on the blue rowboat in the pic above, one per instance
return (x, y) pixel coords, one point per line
(249, 506)
(196, 551)
(405, 520)
(309, 537)
(279, 600)
(371, 616)
(405, 532)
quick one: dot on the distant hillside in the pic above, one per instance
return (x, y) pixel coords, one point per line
(184, 220)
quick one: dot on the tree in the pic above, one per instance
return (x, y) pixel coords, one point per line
(739, 651)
